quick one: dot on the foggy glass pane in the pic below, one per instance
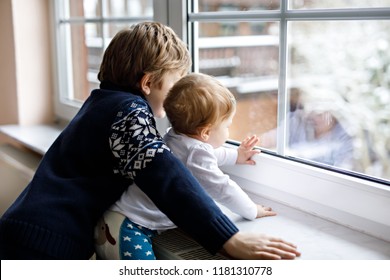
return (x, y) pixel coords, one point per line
(109, 8)
(244, 57)
(87, 41)
(86, 54)
(85, 8)
(126, 8)
(339, 89)
(331, 4)
(237, 5)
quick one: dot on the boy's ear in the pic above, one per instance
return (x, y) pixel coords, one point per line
(145, 84)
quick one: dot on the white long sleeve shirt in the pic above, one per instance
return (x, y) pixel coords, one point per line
(203, 161)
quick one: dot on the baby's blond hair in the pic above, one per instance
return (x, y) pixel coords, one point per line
(197, 101)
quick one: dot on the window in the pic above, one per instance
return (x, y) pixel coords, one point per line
(83, 31)
(311, 79)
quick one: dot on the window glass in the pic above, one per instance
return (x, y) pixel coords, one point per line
(316, 91)
(245, 57)
(331, 4)
(126, 8)
(108, 8)
(85, 49)
(237, 5)
(340, 94)
(86, 29)
(85, 8)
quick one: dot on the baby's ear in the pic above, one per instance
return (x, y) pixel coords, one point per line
(204, 132)
(145, 84)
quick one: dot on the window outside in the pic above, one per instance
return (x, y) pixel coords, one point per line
(339, 94)
(245, 57)
(236, 5)
(332, 74)
(343, 4)
(87, 27)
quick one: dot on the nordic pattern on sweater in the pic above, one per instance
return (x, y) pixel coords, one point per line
(135, 140)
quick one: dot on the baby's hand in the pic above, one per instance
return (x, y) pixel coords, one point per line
(264, 211)
(246, 152)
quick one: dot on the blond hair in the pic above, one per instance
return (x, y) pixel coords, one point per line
(196, 101)
(144, 48)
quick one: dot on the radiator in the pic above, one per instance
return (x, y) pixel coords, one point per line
(174, 244)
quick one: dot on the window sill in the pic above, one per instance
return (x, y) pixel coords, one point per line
(37, 138)
(349, 201)
(316, 238)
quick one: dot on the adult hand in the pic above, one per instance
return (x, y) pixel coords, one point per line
(251, 246)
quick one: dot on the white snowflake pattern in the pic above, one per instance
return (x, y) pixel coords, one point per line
(132, 132)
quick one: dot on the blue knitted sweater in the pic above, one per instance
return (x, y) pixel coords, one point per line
(109, 144)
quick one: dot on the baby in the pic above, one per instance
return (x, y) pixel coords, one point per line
(201, 110)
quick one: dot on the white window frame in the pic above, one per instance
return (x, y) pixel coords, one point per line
(355, 202)
(64, 108)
